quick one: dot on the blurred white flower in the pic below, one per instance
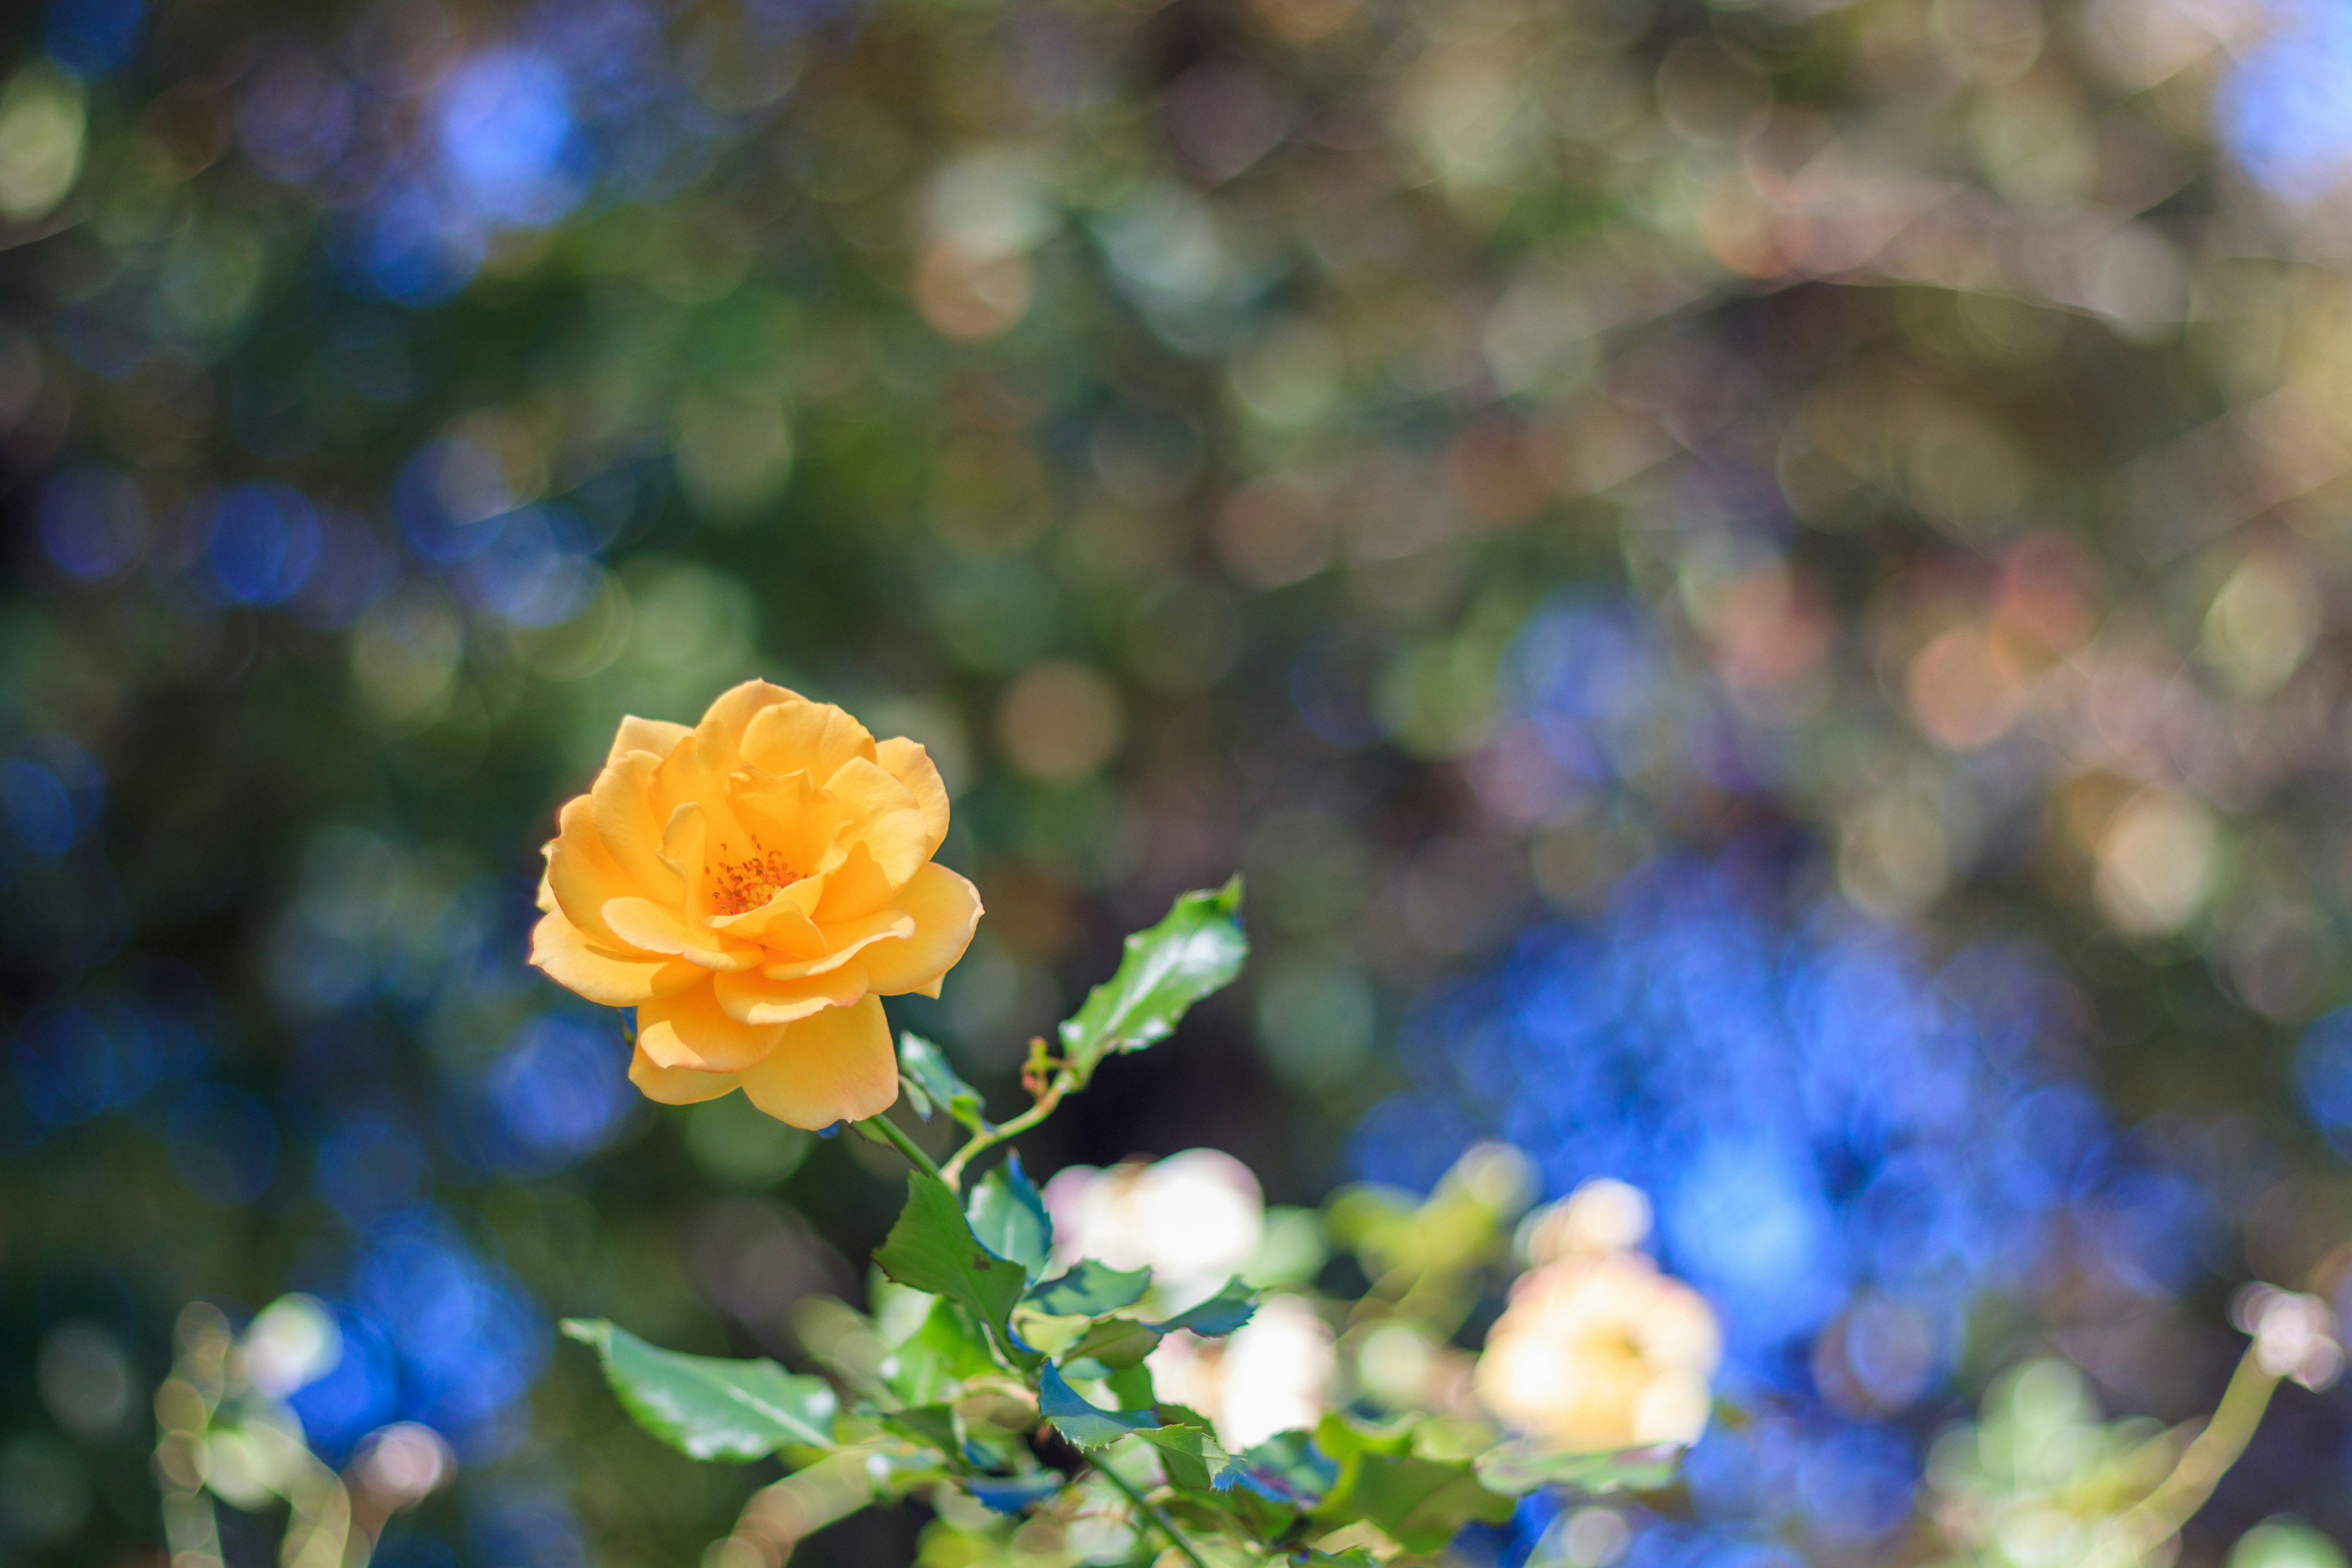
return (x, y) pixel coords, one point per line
(1604, 1214)
(292, 1343)
(402, 1464)
(1273, 1375)
(2294, 1336)
(1194, 1219)
(1600, 1350)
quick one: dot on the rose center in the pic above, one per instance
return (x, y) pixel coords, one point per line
(740, 885)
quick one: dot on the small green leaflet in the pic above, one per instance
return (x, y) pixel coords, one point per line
(1196, 949)
(1013, 1494)
(1233, 1305)
(1190, 1457)
(932, 1081)
(1089, 1290)
(1522, 1467)
(1113, 1343)
(1421, 1503)
(709, 1407)
(932, 1426)
(931, 1248)
(1087, 1425)
(1009, 1217)
(1354, 1557)
(1287, 1468)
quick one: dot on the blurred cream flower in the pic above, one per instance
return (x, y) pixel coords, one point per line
(2294, 1336)
(1194, 1219)
(1273, 1375)
(1598, 1350)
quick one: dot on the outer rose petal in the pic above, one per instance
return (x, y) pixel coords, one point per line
(797, 736)
(658, 736)
(946, 909)
(836, 1066)
(690, 1029)
(754, 998)
(582, 875)
(568, 958)
(678, 1086)
(883, 814)
(848, 940)
(912, 766)
(621, 804)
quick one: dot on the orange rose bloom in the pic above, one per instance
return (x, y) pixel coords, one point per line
(753, 886)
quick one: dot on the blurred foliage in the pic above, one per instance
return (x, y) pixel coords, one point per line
(1445, 459)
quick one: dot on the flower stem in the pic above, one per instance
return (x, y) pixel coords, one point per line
(887, 1133)
(2158, 1517)
(1158, 1516)
(1003, 1133)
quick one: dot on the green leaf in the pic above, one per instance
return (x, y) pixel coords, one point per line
(1115, 1341)
(1008, 1214)
(1089, 1289)
(932, 1081)
(1197, 948)
(932, 1426)
(1354, 1557)
(709, 1407)
(1522, 1467)
(1087, 1425)
(931, 1248)
(1287, 1468)
(1192, 1458)
(1421, 1503)
(1013, 1494)
(1233, 1305)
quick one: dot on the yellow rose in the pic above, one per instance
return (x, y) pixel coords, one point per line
(753, 886)
(1599, 1351)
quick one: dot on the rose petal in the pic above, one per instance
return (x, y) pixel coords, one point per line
(731, 712)
(754, 998)
(691, 1030)
(797, 736)
(836, 1066)
(642, 923)
(658, 736)
(857, 889)
(620, 806)
(847, 940)
(613, 980)
(911, 765)
(678, 1086)
(946, 909)
(582, 875)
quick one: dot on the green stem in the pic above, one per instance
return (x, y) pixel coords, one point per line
(1156, 1514)
(2158, 1517)
(1003, 1133)
(890, 1135)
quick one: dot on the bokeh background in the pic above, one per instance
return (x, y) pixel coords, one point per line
(1760, 590)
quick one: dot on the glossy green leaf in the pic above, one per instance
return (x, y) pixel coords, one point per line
(932, 1081)
(706, 1406)
(1089, 1289)
(1198, 949)
(1190, 1457)
(1088, 1425)
(1522, 1467)
(1008, 1216)
(931, 1248)
(1233, 1305)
